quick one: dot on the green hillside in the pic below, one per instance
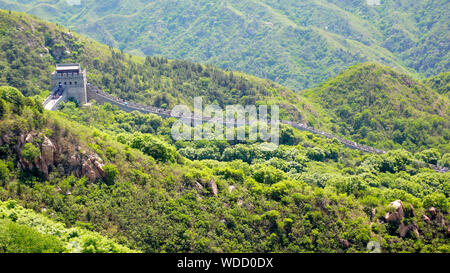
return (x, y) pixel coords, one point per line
(295, 43)
(379, 106)
(367, 103)
(24, 231)
(31, 48)
(143, 190)
(96, 179)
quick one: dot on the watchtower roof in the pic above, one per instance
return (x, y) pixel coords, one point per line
(68, 68)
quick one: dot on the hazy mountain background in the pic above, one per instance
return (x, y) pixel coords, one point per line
(295, 43)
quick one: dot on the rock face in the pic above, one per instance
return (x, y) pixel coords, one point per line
(70, 157)
(398, 214)
(213, 186)
(432, 211)
(92, 167)
(47, 158)
(411, 208)
(403, 229)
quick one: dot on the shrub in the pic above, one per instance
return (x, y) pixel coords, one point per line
(4, 172)
(2, 108)
(16, 238)
(437, 200)
(111, 173)
(267, 174)
(30, 152)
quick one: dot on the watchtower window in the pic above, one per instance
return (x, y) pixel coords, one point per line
(75, 83)
(70, 83)
(65, 83)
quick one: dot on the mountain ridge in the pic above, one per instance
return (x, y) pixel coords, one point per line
(295, 44)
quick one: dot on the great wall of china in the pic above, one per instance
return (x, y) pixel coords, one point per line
(92, 92)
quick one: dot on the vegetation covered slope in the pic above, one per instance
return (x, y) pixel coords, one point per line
(440, 83)
(295, 43)
(370, 103)
(379, 106)
(156, 195)
(31, 47)
(25, 231)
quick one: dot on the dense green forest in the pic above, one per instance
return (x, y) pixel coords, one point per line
(154, 195)
(295, 43)
(96, 179)
(380, 107)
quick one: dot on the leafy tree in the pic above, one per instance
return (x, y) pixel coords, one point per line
(437, 200)
(267, 174)
(30, 152)
(111, 173)
(4, 171)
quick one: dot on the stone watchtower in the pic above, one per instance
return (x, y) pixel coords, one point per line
(73, 80)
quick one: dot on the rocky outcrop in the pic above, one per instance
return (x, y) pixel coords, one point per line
(345, 243)
(433, 212)
(72, 159)
(198, 187)
(412, 211)
(403, 229)
(92, 167)
(213, 187)
(47, 158)
(398, 213)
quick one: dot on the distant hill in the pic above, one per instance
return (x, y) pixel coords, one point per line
(383, 107)
(440, 83)
(296, 43)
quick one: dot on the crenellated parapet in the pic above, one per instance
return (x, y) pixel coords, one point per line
(73, 79)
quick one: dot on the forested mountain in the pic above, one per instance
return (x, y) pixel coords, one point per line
(296, 43)
(31, 47)
(105, 170)
(368, 103)
(377, 105)
(99, 179)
